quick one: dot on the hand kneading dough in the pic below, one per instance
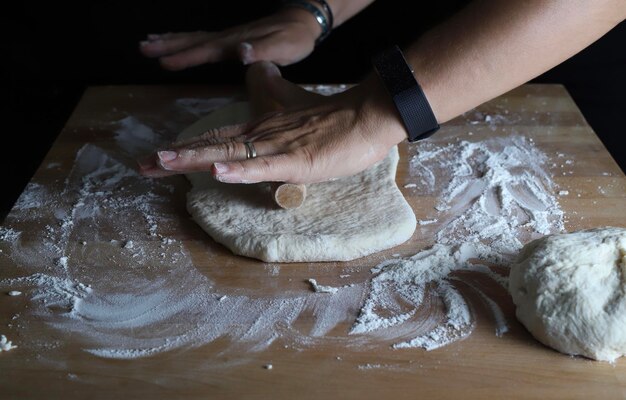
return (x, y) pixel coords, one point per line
(340, 220)
(570, 292)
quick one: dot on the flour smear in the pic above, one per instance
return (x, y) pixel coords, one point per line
(494, 193)
(108, 273)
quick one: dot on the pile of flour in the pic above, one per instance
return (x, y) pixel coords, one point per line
(109, 274)
(493, 193)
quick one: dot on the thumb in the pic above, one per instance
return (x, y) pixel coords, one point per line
(260, 76)
(269, 91)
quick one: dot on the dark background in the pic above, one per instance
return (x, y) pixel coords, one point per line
(52, 52)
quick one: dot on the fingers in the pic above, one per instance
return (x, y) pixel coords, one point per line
(204, 53)
(170, 43)
(156, 172)
(261, 169)
(191, 50)
(201, 159)
(275, 168)
(276, 47)
(149, 166)
(246, 53)
(258, 79)
(169, 162)
(249, 43)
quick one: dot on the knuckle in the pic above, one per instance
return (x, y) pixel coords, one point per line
(306, 157)
(231, 150)
(210, 134)
(210, 137)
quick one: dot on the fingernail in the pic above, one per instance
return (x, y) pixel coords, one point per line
(246, 53)
(144, 43)
(154, 36)
(227, 179)
(220, 168)
(270, 68)
(167, 155)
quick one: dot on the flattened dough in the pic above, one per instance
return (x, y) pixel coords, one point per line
(340, 220)
(570, 292)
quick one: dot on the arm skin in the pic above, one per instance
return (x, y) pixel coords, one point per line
(343, 10)
(493, 46)
(485, 50)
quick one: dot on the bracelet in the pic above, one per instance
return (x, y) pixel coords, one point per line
(329, 13)
(319, 16)
(410, 101)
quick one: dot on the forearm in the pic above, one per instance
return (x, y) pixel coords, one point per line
(493, 46)
(343, 10)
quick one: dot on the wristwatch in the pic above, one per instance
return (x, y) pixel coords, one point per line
(408, 97)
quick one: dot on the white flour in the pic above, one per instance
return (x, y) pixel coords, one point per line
(108, 274)
(8, 235)
(5, 344)
(53, 293)
(34, 196)
(317, 288)
(136, 137)
(88, 271)
(326, 90)
(498, 187)
(496, 192)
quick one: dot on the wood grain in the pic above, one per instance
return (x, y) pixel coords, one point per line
(482, 366)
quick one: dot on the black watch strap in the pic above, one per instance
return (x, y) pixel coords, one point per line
(410, 100)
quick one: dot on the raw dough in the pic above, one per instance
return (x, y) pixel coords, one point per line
(570, 292)
(340, 220)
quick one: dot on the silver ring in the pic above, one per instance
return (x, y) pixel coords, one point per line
(250, 150)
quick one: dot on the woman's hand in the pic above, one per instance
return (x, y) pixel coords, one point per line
(314, 138)
(284, 38)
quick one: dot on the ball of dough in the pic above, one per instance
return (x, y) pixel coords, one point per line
(570, 292)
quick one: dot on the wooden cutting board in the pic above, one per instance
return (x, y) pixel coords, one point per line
(52, 363)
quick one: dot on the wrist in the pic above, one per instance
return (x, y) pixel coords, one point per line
(408, 97)
(376, 105)
(304, 18)
(430, 84)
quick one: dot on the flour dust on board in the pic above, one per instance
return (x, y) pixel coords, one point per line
(109, 275)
